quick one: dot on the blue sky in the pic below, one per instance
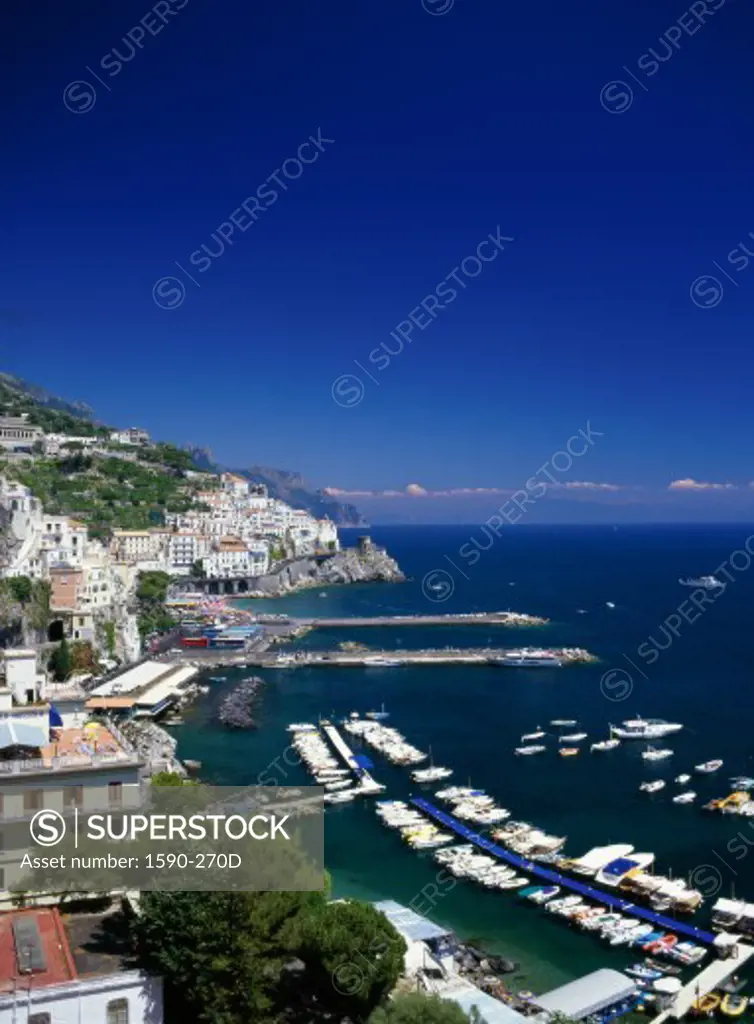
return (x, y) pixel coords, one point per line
(450, 122)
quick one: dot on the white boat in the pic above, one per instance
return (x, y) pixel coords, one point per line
(574, 737)
(652, 754)
(682, 779)
(708, 767)
(644, 729)
(610, 604)
(339, 798)
(533, 735)
(612, 874)
(378, 716)
(339, 784)
(379, 662)
(708, 582)
(455, 792)
(528, 657)
(605, 745)
(433, 774)
(565, 722)
(596, 858)
(652, 787)
(301, 727)
(742, 782)
(528, 751)
(633, 932)
(685, 798)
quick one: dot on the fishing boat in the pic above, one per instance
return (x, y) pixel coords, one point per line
(653, 754)
(568, 751)
(378, 716)
(685, 798)
(573, 737)
(652, 787)
(564, 722)
(733, 1004)
(707, 1004)
(682, 779)
(533, 735)
(529, 750)
(707, 767)
(605, 745)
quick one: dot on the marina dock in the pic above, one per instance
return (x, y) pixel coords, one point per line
(462, 619)
(713, 975)
(529, 867)
(366, 782)
(431, 656)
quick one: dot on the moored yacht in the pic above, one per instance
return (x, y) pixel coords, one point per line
(573, 737)
(529, 657)
(644, 729)
(529, 750)
(708, 582)
(682, 779)
(612, 874)
(685, 798)
(652, 787)
(564, 722)
(707, 767)
(433, 774)
(533, 735)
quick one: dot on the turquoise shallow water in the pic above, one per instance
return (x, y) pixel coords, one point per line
(473, 717)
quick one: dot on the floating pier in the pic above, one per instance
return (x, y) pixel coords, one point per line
(554, 878)
(366, 783)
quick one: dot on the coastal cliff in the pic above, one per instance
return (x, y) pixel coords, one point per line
(365, 564)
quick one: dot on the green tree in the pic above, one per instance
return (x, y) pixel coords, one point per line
(61, 661)
(38, 608)
(222, 955)
(167, 779)
(21, 588)
(418, 1008)
(197, 570)
(153, 586)
(354, 956)
(108, 629)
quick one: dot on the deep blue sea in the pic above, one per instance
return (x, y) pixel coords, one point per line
(472, 717)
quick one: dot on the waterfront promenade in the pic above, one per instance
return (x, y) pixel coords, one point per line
(468, 619)
(391, 658)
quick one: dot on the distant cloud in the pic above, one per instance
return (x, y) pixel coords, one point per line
(418, 491)
(688, 484)
(588, 485)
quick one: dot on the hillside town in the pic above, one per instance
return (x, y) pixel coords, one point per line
(230, 529)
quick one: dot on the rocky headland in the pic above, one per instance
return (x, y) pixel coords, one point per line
(363, 564)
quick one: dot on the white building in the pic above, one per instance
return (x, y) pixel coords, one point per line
(133, 435)
(235, 486)
(25, 683)
(232, 558)
(51, 981)
(185, 548)
(25, 529)
(17, 433)
(134, 546)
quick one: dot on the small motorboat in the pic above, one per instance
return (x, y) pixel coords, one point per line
(568, 751)
(218, 679)
(658, 965)
(663, 945)
(653, 754)
(707, 1004)
(533, 735)
(685, 798)
(529, 750)
(605, 745)
(652, 787)
(610, 604)
(743, 782)
(573, 737)
(733, 1004)
(643, 973)
(682, 780)
(707, 767)
(340, 798)
(565, 722)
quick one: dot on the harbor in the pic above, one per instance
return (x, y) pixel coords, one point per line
(470, 717)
